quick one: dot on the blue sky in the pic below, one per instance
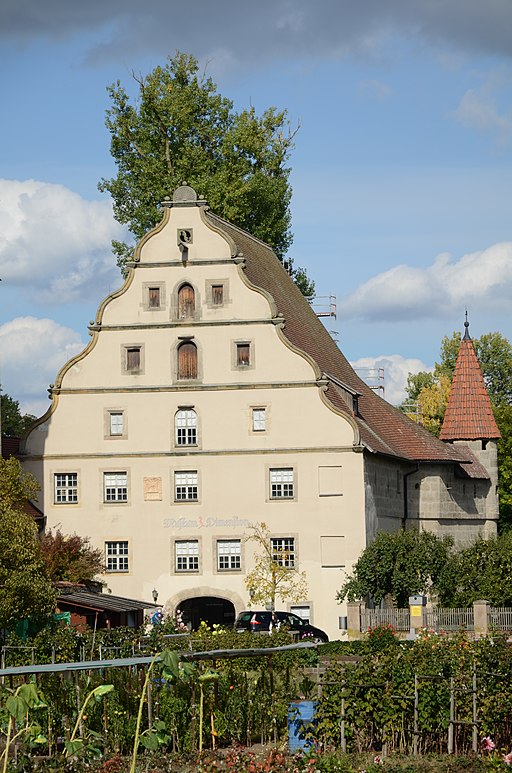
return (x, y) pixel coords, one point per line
(401, 171)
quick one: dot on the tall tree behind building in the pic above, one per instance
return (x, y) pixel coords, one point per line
(181, 129)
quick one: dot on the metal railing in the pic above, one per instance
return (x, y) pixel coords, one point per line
(450, 619)
(400, 619)
(500, 618)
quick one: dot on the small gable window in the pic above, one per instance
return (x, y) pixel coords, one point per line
(186, 302)
(243, 355)
(217, 295)
(133, 358)
(154, 297)
(187, 360)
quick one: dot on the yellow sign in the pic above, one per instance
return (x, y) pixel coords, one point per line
(416, 611)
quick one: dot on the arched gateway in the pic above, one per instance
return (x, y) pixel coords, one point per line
(213, 610)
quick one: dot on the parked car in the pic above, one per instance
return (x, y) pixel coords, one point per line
(259, 620)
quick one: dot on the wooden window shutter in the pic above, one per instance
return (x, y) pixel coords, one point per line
(217, 295)
(133, 358)
(187, 360)
(186, 302)
(154, 297)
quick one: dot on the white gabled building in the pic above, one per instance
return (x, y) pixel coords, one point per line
(210, 397)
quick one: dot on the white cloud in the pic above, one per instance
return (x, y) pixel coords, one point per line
(478, 279)
(395, 371)
(477, 110)
(54, 243)
(32, 351)
(376, 89)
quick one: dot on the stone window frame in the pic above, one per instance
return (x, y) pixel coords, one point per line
(175, 541)
(284, 536)
(235, 344)
(174, 308)
(68, 487)
(278, 467)
(252, 410)
(174, 360)
(117, 555)
(209, 285)
(115, 502)
(107, 425)
(184, 446)
(125, 348)
(184, 470)
(228, 538)
(146, 287)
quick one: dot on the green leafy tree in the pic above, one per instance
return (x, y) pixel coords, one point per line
(503, 416)
(26, 590)
(12, 421)
(397, 565)
(70, 557)
(272, 577)
(303, 282)
(482, 570)
(180, 128)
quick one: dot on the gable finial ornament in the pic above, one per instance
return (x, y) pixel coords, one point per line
(467, 337)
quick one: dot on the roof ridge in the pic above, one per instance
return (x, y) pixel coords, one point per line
(210, 213)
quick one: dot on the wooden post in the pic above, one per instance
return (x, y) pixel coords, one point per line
(475, 713)
(342, 728)
(451, 725)
(416, 705)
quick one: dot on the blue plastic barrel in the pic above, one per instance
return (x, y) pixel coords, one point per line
(301, 725)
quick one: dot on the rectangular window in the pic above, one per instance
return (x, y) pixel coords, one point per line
(229, 553)
(283, 551)
(66, 487)
(133, 358)
(154, 297)
(116, 556)
(217, 295)
(302, 611)
(185, 486)
(243, 355)
(116, 420)
(259, 419)
(281, 483)
(115, 487)
(187, 555)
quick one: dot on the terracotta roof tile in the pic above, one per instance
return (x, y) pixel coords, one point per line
(468, 413)
(383, 428)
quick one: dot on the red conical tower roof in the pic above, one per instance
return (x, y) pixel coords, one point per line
(469, 413)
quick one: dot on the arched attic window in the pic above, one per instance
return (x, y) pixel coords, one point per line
(186, 302)
(187, 360)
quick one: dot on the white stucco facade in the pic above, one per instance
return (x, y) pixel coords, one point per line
(112, 425)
